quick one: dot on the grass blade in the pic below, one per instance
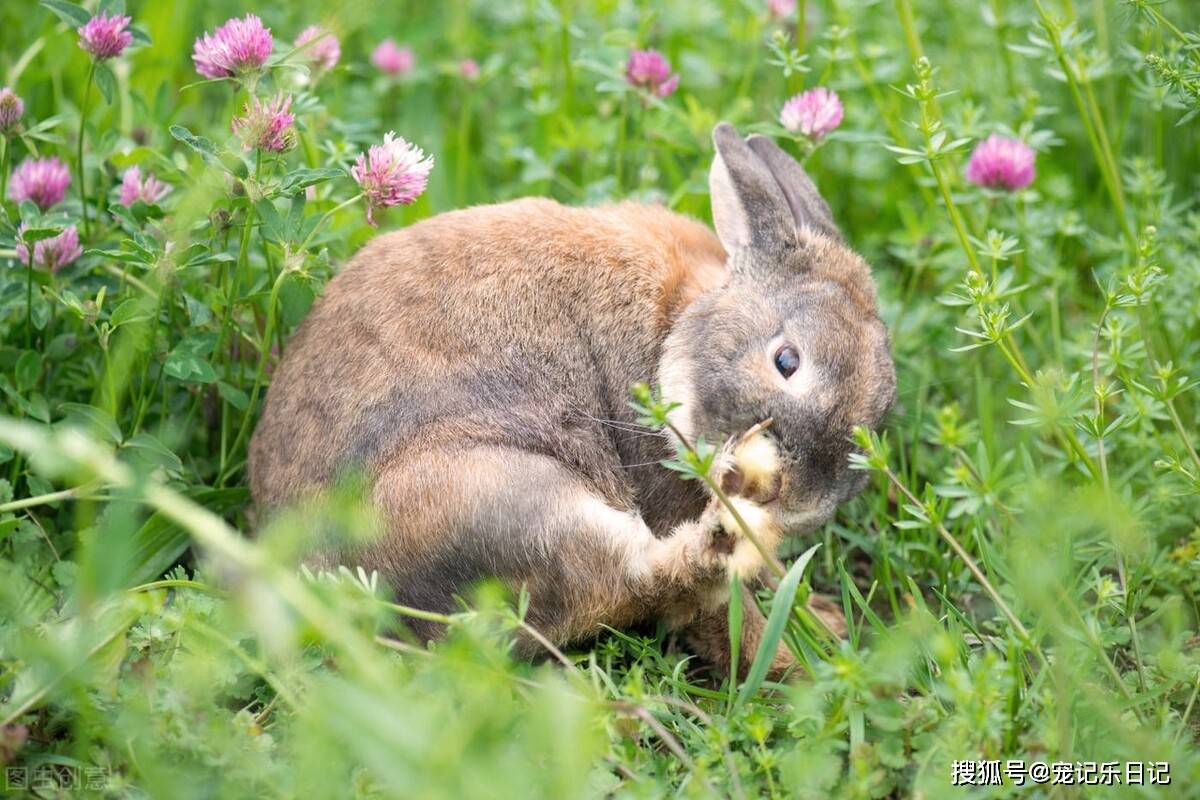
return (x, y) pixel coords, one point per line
(781, 609)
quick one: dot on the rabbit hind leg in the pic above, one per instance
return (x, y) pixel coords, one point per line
(454, 518)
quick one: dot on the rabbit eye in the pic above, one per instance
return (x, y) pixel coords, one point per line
(787, 360)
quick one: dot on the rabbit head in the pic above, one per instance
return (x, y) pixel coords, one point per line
(793, 334)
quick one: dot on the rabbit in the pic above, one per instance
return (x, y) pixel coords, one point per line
(476, 368)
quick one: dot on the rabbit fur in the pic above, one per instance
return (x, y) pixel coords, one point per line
(475, 368)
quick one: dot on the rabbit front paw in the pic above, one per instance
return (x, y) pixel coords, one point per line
(744, 559)
(752, 467)
(709, 549)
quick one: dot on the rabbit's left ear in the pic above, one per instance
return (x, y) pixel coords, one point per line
(761, 196)
(809, 209)
(748, 206)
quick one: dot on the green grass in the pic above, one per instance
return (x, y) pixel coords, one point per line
(1020, 578)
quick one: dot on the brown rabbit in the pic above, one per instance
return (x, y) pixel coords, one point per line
(476, 367)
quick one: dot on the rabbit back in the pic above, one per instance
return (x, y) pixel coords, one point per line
(520, 324)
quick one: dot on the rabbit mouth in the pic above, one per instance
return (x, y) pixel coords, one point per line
(797, 521)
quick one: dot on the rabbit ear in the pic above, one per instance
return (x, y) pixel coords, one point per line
(808, 208)
(748, 205)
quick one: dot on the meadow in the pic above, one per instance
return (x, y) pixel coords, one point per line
(1019, 578)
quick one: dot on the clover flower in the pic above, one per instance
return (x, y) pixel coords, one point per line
(392, 59)
(238, 47)
(105, 35)
(781, 9)
(42, 180)
(11, 109)
(390, 174)
(468, 68)
(133, 187)
(324, 52)
(815, 113)
(999, 162)
(650, 70)
(54, 253)
(267, 125)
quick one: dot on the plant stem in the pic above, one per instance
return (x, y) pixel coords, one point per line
(1101, 456)
(5, 155)
(325, 218)
(771, 560)
(43, 499)
(1098, 138)
(801, 24)
(621, 124)
(960, 228)
(417, 613)
(1005, 55)
(1168, 401)
(965, 557)
(1098, 406)
(956, 220)
(1187, 712)
(178, 583)
(1166, 23)
(1098, 646)
(83, 109)
(1069, 441)
(887, 111)
(568, 69)
(227, 321)
(234, 275)
(908, 21)
(29, 298)
(463, 143)
(259, 373)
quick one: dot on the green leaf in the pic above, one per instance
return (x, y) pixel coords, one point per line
(154, 453)
(96, 421)
(781, 609)
(159, 542)
(299, 179)
(34, 405)
(198, 255)
(33, 235)
(30, 213)
(205, 147)
(133, 309)
(7, 526)
(273, 226)
(188, 361)
(29, 370)
(106, 627)
(132, 157)
(198, 143)
(106, 82)
(735, 634)
(233, 395)
(295, 220)
(199, 314)
(295, 299)
(73, 15)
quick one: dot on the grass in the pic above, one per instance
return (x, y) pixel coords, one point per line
(1019, 579)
